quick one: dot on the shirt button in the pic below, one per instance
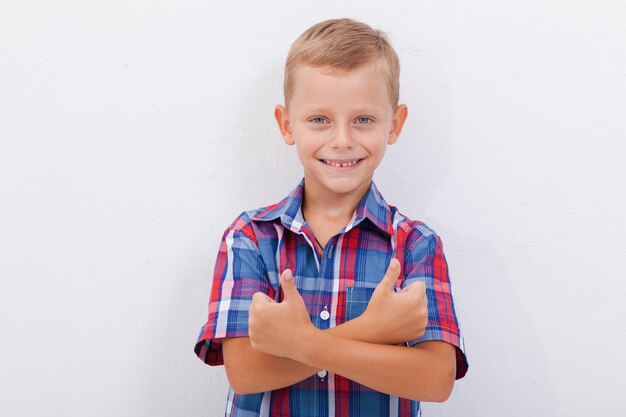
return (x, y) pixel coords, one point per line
(322, 373)
(324, 314)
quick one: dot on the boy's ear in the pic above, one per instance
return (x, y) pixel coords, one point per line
(282, 118)
(397, 123)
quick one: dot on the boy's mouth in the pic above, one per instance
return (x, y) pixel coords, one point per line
(341, 163)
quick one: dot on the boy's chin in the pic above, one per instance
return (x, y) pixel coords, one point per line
(344, 185)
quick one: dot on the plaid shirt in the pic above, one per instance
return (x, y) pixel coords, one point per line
(261, 243)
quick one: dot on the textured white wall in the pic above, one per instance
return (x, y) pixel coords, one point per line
(132, 133)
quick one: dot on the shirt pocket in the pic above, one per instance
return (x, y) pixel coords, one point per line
(357, 298)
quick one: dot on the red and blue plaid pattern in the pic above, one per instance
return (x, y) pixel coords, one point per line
(261, 243)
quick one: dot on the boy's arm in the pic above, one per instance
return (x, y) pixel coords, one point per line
(390, 318)
(251, 371)
(425, 372)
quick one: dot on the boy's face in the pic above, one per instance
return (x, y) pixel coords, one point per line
(340, 118)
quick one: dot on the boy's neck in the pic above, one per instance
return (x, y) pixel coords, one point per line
(334, 208)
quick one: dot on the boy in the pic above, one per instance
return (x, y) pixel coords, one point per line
(331, 302)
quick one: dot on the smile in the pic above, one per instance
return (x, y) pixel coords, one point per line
(341, 163)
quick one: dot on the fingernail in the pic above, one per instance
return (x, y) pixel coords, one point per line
(392, 264)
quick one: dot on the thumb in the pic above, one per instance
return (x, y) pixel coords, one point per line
(392, 274)
(287, 284)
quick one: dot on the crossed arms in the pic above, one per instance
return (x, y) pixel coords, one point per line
(284, 347)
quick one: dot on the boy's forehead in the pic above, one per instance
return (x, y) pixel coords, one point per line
(315, 84)
(373, 66)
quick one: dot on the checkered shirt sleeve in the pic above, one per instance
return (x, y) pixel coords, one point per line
(425, 261)
(239, 273)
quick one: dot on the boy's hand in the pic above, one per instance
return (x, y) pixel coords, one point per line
(279, 328)
(396, 317)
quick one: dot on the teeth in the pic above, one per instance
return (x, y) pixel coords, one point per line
(345, 164)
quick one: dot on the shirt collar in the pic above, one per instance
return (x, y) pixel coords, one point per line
(372, 207)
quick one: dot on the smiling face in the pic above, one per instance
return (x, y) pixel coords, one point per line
(340, 123)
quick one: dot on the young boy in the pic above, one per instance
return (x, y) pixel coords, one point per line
(331, 302)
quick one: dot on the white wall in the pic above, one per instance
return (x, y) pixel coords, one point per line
(133, 132)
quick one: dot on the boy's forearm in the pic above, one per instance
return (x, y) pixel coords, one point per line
(250, 371)
(424, 373)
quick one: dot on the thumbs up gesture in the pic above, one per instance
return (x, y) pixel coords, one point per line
(277, 328)
(392, 317)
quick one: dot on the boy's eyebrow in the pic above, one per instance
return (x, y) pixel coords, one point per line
(360, 110)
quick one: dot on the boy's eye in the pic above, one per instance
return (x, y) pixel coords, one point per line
(363, 120)
(318, 120)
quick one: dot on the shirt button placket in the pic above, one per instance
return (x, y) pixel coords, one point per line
(325, 315)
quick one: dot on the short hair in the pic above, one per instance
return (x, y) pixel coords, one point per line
(342, 44)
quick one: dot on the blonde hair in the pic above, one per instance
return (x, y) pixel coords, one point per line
(342, 44)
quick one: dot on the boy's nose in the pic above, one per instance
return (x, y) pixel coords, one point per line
(341, 137)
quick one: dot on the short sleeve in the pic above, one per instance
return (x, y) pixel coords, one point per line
(239, 273)
(425, 261)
